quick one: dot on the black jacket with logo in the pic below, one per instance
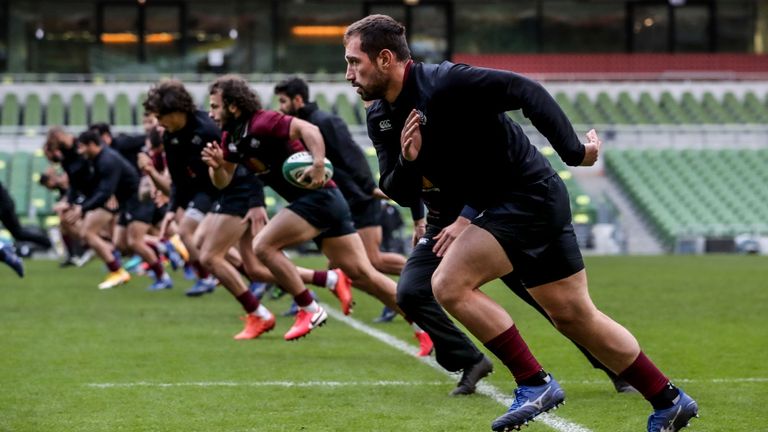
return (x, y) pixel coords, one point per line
(470, 149)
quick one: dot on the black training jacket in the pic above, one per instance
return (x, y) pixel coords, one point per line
(471, 149)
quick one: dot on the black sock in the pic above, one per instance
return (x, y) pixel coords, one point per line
(539, 379)
(665, 398)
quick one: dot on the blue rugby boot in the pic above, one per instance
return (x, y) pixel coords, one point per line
(676, 417)
(530, 402)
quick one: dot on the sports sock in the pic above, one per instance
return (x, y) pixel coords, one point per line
(324, 278)
(262, 312)
(157, 268)
(249, 301)
(305, 301)
(202, 273)
(512, 350)
(643, 375)
(114, 265)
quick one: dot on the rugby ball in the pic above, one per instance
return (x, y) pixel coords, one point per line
(293, 168)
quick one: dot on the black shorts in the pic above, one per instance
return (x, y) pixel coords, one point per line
(195, 203)
(534, 228)
(159, 214)
(134, 210)
(326, 210)
(366, 213)
(236, 200)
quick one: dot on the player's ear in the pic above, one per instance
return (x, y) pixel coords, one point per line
(385, 58)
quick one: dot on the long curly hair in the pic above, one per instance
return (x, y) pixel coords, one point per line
(169, 96)
(236, 92)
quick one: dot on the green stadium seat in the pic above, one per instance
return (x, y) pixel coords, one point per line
(54, 111)
(140, 107)
(41, 198)
(345, 110)
(19, 182)
(5, 167)
(100, 109)
(322, 103)
(78, 111)
(33, 111)
(11, 111)
(123, 110)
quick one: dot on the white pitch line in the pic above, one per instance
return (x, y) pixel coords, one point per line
(679, 380)
(268, 384)
(551, 420)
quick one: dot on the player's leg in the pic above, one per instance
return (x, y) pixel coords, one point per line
(455, 284)
(454, 351)
(385, 262)
(11, 222)
(93, 223)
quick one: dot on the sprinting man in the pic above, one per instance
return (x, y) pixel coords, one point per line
(450, 123)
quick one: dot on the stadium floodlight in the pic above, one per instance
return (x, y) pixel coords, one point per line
(677, 2)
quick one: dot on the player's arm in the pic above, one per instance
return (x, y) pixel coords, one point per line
(220, 170)
(305, 131)
(161, 180)
(110, 176)
(400, 180)
(501, 91)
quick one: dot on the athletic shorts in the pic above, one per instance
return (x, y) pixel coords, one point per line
(134, 210)
(366, 213)
(196, 204)
(159, 214)
(534, 228)
(326, 210)
(235, 201)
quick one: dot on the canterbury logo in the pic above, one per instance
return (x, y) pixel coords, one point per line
(385, 125)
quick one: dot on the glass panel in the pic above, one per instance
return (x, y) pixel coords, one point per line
(692, 29)
(650, 26)
(429, 33)
(496, 27)
(311, 38)
(163, 37)
(583, 27)
(119, 49)
(735, 27)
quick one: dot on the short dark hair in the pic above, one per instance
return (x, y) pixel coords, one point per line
(90, 136)
(377, 33)
(169, 96)
(100, 128)
(43, 181)
(292, 87)
(236, 92)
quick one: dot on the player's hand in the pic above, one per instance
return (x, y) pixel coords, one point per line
(73, 214)
(61, 206)
(213, 155)
(410, 137)
(378, 193)
(444, 239)
(419, 230)
(313, 176)
(591, 148)
(165, 223)
(257, 217)
(144, 162)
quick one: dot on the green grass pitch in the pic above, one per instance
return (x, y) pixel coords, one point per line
(73, 358)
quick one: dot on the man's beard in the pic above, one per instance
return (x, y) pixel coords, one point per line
(376, 89)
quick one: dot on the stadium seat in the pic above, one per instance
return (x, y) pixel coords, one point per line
(100, 109)
(123, 110)
(19, 181)
(78, 111)
(11, 111)
(33, 111)
(322, 103)
(54, 111)
(345, 110)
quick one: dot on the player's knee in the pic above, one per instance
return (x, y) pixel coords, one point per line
(208, 258)
(444, 289)
(566, 320)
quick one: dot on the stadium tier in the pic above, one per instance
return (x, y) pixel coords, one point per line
(601, 109)
(708, 193)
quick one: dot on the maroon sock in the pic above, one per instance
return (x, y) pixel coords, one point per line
(113, 265)
(320, 278)
(153, 246)
(202, 273)
(68, 244)
(249, 301)
(512, 350)
(304, 298)
(157, 268)
(645, 376)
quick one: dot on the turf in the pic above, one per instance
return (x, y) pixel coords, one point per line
(702, 319)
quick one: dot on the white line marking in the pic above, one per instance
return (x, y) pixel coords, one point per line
(269, 384)
(678, 380)
(551, 420)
